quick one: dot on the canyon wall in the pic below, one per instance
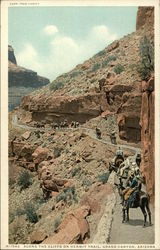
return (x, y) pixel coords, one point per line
(148, 135)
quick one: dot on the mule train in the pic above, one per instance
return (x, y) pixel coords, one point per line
(129, 182)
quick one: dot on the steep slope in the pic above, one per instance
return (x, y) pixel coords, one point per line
(108, 82)
(68, 166)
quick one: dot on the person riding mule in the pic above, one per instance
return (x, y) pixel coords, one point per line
(124, 166)
(117, 160)
(130, 193)
(98, 133)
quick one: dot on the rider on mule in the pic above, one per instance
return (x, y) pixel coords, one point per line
(134, 183)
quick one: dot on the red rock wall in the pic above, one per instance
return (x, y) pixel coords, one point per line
(145, 16)
(147, 136)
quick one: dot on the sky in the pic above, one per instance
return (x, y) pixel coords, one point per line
(53, 40)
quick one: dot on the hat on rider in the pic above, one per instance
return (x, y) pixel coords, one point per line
(131, 174)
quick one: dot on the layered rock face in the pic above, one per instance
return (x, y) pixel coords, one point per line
(145, 16)
(21, 81)
(148, 135)
(58, 108)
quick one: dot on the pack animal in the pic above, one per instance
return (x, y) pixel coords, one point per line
(140, 199)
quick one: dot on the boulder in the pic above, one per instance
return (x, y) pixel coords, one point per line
(40, 154)
(37, 237)
(73, 229)
(26, 135)
(113, 46)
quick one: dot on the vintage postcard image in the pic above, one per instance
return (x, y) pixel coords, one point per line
(80, 125)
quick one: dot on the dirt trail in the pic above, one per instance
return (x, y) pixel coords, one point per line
(90, 133)
(131, 232)
(111, 229)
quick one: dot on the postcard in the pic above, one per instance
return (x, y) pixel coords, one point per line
(80, 123)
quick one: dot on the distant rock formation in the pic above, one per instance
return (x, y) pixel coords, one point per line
(21, 81)
(19, 76)
(11, 56)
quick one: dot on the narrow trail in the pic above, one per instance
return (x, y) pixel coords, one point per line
(90, 132)
(132, 232)
(111, 230)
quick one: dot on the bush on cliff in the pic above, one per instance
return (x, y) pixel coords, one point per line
(24, 180)
(56, 85)
(146, 65)
(118, 68)
(31, 213)
(109, 59)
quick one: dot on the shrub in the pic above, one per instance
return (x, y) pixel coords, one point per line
(118, 68)
(11, 182)
(146, 66)
(86, 182)
(101, 53)
(24, 180)
(104, 177)
(74, 74)
(56, 85)
(11, 217)
(95, 67)
(67, 195)
(57, 222)
(109, 59)
(31, 213)
(61, 196)
(20, 212)
(75, 171)
(57, 152)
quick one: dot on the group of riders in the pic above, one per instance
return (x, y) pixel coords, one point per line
(62, 124)
(128, 171)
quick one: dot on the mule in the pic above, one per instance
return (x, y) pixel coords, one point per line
(141, 200)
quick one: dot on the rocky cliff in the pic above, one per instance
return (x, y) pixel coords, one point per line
(21, 81)
(145, 17)
(110, 77)
(148, 135)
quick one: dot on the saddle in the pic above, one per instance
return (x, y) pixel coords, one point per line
(133, 200)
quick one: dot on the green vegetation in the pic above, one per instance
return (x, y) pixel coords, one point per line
(68, 195)
(57, 152)
(24, 180)
(118, 68)
(20, 212)
(95, 67)
(75, 171)
(11, 182)
(104, 177)
(74, 74)
(86, 183)
(11, 217)
(56, 85)
(30, 212)
(146, 66)
(101, 53)
(57, 222)
(109, 59)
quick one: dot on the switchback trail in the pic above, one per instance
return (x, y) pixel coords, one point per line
(114, 231)
(90, 132)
